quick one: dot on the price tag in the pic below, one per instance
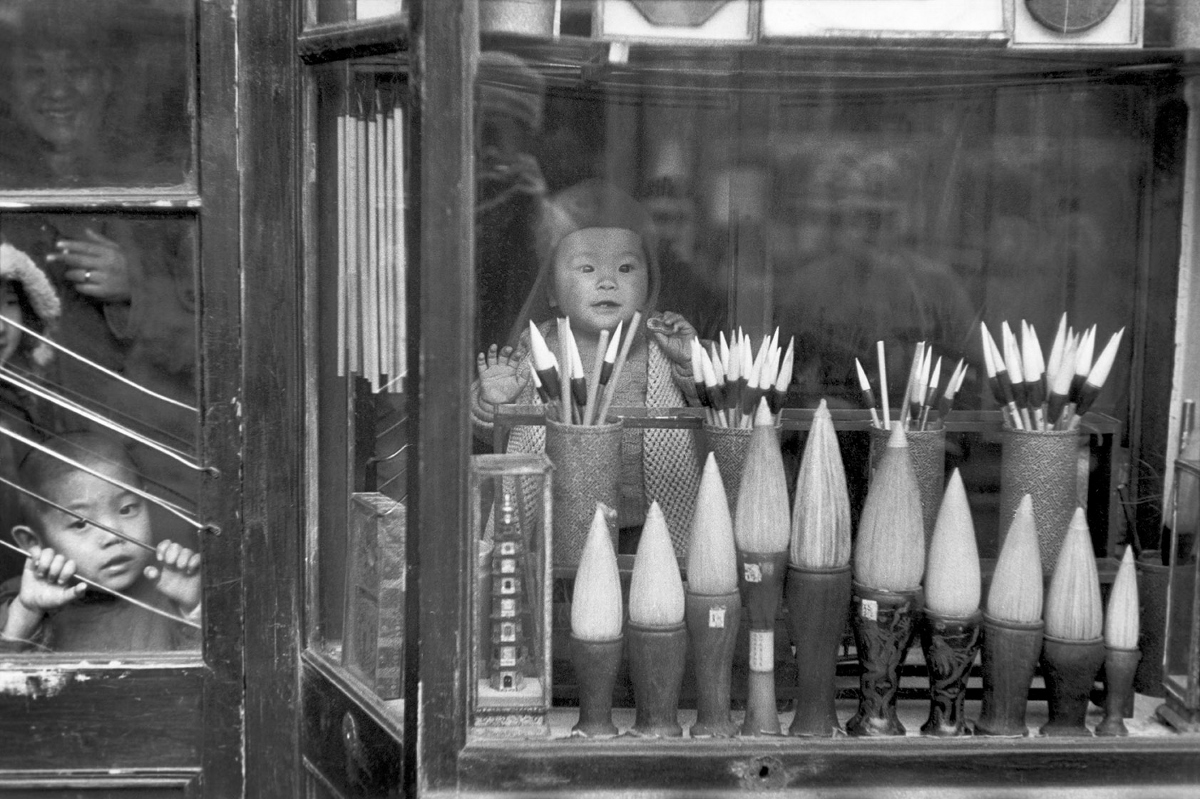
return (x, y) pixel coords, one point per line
(762, 650)
(869, 609)
(716, 617)
(752, 572)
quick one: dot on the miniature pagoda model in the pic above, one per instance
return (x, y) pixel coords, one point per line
(510, 620)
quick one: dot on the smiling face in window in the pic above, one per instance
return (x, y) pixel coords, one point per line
(600, 277)
(59, 94)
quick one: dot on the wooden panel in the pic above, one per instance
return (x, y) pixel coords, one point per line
(268, 75)
(101, 719)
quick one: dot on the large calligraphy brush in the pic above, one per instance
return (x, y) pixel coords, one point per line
(1012, 628)
(657, 635)
(1073, 649)
(818, 579)
(596, 620)
(889, 560)
(762, 529)
(713, 604)
(950, 629)
(1121, 653)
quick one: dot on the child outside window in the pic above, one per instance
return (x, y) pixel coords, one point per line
(598, 267)
(45, 607)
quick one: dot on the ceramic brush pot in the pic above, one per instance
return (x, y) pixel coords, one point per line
(712, 623)
(729, 446)
(657, 656)
(818, 602)
(1120, 665)
(951, 644)
(1009, 659)
(884, 623)
(927, 452)
(1070, 668)
(1043, 464)
(596, 664)
(587, 466)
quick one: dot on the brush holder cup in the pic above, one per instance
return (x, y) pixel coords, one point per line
(587, 470)
(1070, 668)
(712, 623)
(1010, 656)
(656, 661)
(729, 446)
(818, 603)
(927, 451)
(884, 624)
(950, 644)
(596, 664)
(1119, 668)
(1043, 464)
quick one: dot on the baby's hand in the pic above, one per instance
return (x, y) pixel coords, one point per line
(498, 382)
(178, 574)
(48, 581)
(674, 335)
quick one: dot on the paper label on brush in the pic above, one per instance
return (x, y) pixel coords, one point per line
(869, 609)
(752, 572)
(716, 617)
(762, 650)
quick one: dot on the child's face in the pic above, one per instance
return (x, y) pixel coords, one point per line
(10, 308)
(59, 94)
(98, 554)
(600, 277)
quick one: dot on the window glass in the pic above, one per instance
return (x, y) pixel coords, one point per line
(99, 422)
(96, 93)
(343, 10)
(359, 343)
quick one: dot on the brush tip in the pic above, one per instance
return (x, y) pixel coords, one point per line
(1073, 607)
(1016, 592)
(952, 573)
(656, 588)
(596, 605)
(1121, 624)
(712, 553)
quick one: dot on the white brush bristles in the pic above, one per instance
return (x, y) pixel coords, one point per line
(1073, 608)
(712, 554)
(596, 609)
(1016, 591)
(656, 588)
(952, 576)
(890, 552)
(1121, 628)
(820, 535)
(762, 520)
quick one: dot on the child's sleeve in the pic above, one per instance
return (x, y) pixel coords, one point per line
(8, 592)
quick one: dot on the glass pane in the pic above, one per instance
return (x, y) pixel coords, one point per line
(344, 10)
(96, 93)
(1183, 630)
(98, 416)
(359, 340)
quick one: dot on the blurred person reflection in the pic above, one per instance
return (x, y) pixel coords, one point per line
(509, 191)
(126, 283)
(852, 274)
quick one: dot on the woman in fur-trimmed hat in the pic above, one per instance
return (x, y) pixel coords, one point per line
(28, 299)
(598, 266)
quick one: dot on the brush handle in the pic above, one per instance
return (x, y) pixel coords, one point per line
(712, 623)
(884, 623)
(1070, 668)
(951, 644)
(596, 664)
(760, 579)
(656, 660)
(1119, 667)
(818, 603)
(1010, 656)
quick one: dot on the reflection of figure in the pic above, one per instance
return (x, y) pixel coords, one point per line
(508, 190)
(127, 285)
(857, 279)
(27, 298)
(598, 267)
(45, 608)
(686, 285)
(73, 110)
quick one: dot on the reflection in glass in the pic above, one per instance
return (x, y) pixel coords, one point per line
(361, 435)
(95, 93)
(99, 421)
